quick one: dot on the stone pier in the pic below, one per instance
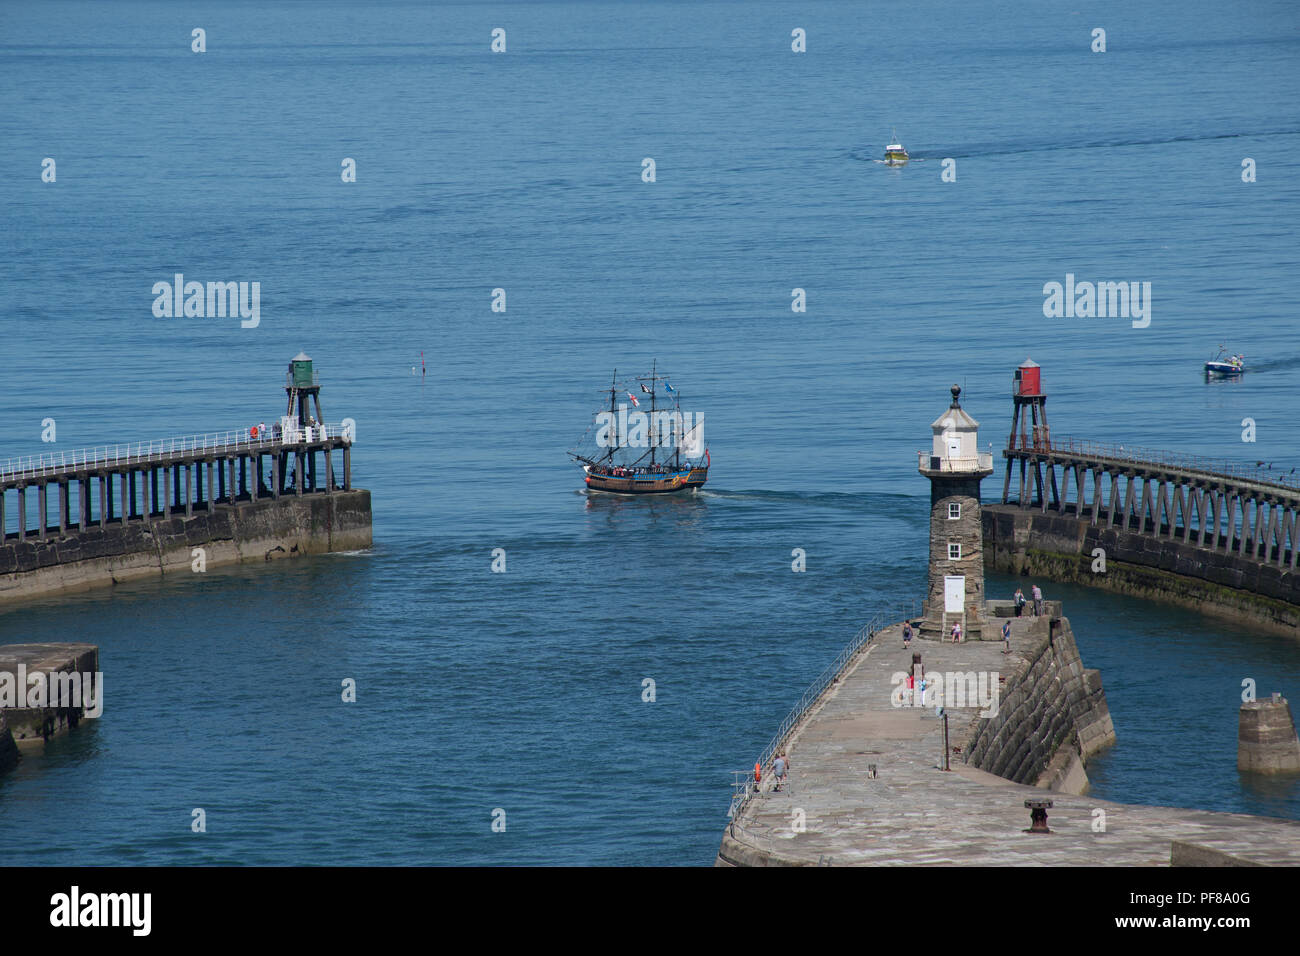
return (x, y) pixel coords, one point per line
(1266, 738)
(909, 811)
(262, 530)
(30, 716)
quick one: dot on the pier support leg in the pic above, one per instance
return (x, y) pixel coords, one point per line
(4, 528)
(329, 473)
(1230, 523)
(1220, 506)
(189, 497)
(1245, 525)
(40, 498)
(230, 487)
(275, 475)
(103, 498)
(62, 491)
(347, 467)
(256, 485)
(1270, 534)
(300, 458)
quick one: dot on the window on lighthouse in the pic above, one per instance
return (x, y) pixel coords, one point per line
(954, 510)
(954, 550)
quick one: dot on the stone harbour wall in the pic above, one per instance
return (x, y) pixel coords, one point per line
(267, 529)
(1051, 718)
(1060, 547)
(8, 749)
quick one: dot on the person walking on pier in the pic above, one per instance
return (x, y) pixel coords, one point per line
(1038, 601)
(779, 767)
(1006, 637)
(1019, 598)
(907, 634)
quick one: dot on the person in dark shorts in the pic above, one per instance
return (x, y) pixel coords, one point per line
(907, 634)
(1006, 637)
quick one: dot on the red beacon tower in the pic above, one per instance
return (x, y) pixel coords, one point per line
(1029, 431)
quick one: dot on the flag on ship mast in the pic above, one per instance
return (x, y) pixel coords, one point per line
(634, 401)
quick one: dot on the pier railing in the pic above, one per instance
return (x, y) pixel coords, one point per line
(742, 787)
(133, 453)
(1155, 458)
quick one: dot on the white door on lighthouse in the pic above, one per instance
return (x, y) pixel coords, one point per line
(954, 593)
(954, 446)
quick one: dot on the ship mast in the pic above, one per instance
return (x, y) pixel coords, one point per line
(613, 391)
(654, 379)
(677, 427)
(653, 365)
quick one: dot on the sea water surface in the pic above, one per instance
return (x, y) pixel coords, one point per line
(522, 691)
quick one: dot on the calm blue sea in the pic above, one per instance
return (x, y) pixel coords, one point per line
(523, 171)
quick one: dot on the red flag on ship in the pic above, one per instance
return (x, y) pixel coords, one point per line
(634, 401)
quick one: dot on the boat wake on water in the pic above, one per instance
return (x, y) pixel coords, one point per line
(986, 150)
(1275, 365)
(857, 502)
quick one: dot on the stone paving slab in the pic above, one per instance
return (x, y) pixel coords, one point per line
(914, 813)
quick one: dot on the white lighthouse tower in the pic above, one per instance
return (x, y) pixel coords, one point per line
(955, 468)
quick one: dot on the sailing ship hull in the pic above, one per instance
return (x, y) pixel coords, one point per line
(657, 484)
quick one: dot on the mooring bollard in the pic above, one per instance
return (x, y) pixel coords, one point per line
(1038, 815)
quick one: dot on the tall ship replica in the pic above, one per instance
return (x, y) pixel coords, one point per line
(648, 448)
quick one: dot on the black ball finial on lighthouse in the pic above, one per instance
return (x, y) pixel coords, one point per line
(956, 390)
